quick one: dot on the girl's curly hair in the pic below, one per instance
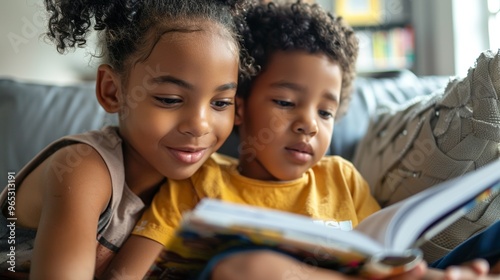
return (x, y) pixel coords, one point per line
(126, 26)
(272, 27)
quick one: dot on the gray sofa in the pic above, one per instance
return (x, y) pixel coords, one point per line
(32, 115)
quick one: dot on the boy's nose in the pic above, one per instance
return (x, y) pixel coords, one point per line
(306, 125)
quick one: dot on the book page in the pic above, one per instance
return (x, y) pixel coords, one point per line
(399, 226)
(382, 224)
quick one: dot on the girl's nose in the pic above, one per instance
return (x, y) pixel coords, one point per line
(196, 123)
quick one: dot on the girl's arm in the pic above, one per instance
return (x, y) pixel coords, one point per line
(134, 259)
(156, 229)
(76, 190)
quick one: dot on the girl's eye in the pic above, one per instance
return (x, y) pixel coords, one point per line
(221, 104)
(168, 101)
(283, 103)
(325, 114)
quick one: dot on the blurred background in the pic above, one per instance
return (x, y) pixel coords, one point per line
(429, 37)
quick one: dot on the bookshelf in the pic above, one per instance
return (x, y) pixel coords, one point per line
(384, 28)
(386, 49)
(385, 32)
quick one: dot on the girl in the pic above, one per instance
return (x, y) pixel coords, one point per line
(171, 73)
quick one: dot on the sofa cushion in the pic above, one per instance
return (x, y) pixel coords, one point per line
(33, 115)
(375, 93)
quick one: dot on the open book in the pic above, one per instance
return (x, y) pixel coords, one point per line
(385, 243)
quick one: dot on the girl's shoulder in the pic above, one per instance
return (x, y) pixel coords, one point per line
(71, 170)
(88, 157)
(90, 162)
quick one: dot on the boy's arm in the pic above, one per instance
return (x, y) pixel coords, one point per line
(134, 259)
(267, 265)
(65, 244)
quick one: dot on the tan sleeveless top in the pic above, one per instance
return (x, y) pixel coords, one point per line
(115, 223)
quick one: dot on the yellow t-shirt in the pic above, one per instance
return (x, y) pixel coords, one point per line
(332, 191)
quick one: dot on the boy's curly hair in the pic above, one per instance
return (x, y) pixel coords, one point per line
(129, 29)
(272, 27)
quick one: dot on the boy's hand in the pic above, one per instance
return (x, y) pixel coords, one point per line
(474, 270)
(470, 270)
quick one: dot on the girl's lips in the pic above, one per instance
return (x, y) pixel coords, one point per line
(187, 156)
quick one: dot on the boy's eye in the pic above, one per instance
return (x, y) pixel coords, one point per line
(283, 103)
(221, 104)
(325, 114)
(168, 101)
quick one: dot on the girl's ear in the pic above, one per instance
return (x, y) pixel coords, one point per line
(108, 88)
(238, 118)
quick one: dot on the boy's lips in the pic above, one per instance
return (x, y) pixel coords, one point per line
(301, 147)
(188, 154)
(301, 152)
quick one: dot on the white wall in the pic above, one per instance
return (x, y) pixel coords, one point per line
(433, 23)
(449, 35)
(25, 54)
(471, 32)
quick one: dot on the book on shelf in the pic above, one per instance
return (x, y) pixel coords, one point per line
(386, 48)
(385, 243)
